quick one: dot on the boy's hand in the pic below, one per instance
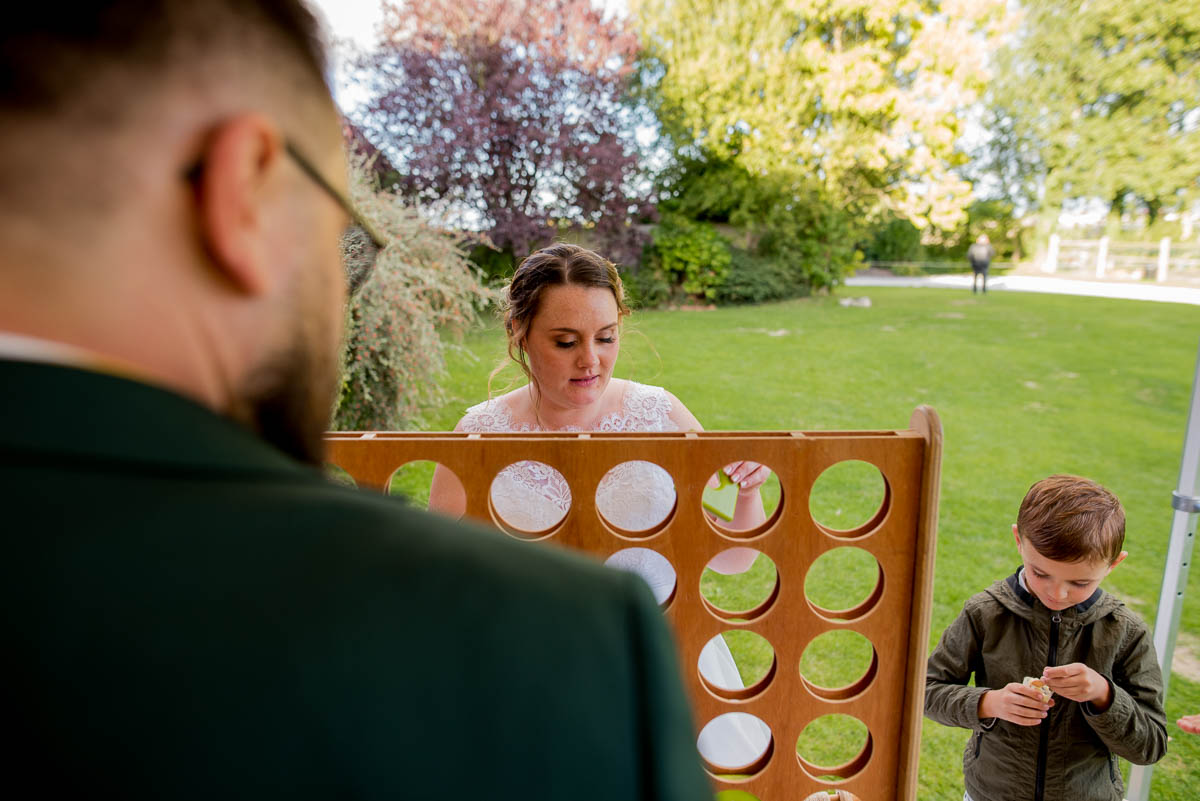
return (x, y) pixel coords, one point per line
(1080, 683)
(1015, 703)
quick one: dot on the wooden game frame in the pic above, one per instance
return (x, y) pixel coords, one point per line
(901, 536)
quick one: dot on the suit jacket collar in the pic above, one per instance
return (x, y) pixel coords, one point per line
(63, 413)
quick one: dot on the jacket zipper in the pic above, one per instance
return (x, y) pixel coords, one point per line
(1044, 735)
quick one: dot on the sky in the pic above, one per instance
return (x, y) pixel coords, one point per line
(355, 19)
(352, 22)
(350, 19)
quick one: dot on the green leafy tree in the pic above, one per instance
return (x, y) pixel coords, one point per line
(794, 224)
(898, 240)
(1100, 98)
(994, 217)
(857, 102)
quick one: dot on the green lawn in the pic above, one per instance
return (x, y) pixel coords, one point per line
(1026, 385)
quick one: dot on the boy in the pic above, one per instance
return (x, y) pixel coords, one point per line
(1050, 620)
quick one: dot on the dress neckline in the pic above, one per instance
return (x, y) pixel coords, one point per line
(642, 408)
(597, 424)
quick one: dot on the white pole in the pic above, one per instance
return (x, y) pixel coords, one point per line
(1186, 502)
(1051, 262)
(1164, 258)
(1101, 256)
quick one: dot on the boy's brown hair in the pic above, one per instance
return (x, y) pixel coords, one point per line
(1072, 519)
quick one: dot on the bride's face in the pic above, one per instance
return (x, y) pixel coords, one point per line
(572, 344)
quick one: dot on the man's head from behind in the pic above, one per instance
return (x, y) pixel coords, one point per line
(151, 208)
(1069, 532)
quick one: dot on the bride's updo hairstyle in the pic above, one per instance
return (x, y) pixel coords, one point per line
(555, 265)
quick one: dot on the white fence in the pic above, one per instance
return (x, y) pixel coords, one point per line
(1104, 257)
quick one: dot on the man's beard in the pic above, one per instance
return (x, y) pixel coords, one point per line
(288, 399)
(288, 404)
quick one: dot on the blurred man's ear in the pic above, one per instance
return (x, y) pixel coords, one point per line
(1120, 558)
(233, 185)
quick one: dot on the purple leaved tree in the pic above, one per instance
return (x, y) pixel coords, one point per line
(509, 116)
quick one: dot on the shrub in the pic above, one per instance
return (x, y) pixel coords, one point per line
(793, 221)
(646, 286)
(811, 236)
(423, 287)
(691, 254)
(757, 279)
(906, 270)
(894, 239)
(497, 266)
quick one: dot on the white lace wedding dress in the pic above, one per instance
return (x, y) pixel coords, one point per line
(634, 496)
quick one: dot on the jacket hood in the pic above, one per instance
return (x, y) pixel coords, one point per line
(1009, 593)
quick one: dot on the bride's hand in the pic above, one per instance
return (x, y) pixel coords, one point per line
(747, 475)
(733, 561)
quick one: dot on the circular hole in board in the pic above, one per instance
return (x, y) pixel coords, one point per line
(849, 499)
(654, 568)
(735, 742)
(838, 664)
(834, 747)
(843, 584)
(720, 501)
(529, 499)
(739, 584)
(737, 664)
(413, 481)
(636, 498)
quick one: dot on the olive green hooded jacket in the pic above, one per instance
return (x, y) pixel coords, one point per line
(1004, 634)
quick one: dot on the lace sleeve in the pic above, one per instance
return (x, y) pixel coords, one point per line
(491, 415)
(645, 408)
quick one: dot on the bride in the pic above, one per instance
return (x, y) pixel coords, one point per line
(562, 316)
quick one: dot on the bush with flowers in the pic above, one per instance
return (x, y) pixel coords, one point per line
(422, 289)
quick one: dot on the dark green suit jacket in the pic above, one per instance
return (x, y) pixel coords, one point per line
(190, 614)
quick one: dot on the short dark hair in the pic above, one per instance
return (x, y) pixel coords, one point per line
(50, 56)
(1072, 519)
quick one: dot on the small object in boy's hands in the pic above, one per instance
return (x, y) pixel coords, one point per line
(1038, 684)
(722, 500)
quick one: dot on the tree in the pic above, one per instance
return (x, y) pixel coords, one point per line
(1101, 98)
(860, 102)
(422, 289)
(792, 223)
(508, 116)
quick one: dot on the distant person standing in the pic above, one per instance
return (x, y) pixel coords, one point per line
(980, 255)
